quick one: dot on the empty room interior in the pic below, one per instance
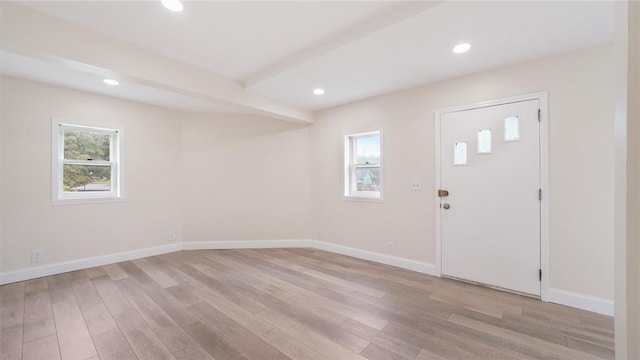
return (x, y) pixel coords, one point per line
(319, 180)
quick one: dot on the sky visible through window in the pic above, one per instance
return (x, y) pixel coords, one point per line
(368, 149)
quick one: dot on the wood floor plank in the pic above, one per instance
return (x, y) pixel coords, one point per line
(111, 295)
(11, 342)
(143, 341)
(309, 294)
(12, 304)
(115, 272)
(111, 345)
(169, 304)
(95, 272)
(307, 317)
(291, 293)
(311, 338)
(168, 331)
(277, 304)
(181, 278)
(38, 316)
(290, 346)
(185, 295)
(518, 338)
(377, 352)
(73, 334)
(144, 305)
(585, 346)
(152, 271)
(237, 335)
(59, 288)
(427, 355)
(433, 344)
(213, 341)
(36, 285)
(45, 348)
(381, 339)
(98, 319)
(180, 343)
(135, 272)
(85, 293)
(237, 313)
(351, 285)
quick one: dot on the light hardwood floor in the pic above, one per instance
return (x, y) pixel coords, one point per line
(283, 304)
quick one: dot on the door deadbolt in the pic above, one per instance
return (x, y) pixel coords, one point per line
(446, 206)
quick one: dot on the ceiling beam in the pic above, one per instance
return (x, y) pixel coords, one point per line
(397, 13)
(30, 33)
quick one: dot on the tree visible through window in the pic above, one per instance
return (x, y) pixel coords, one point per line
(87, 164)
(363, 165)
(86, 146)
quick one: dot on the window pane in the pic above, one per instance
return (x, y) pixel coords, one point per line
(511, 129)
(368, 179)
(367, 150)
(86, 178)
(84, 145)
(460, 153)
(484, 141)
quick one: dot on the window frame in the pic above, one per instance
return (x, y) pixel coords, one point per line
(59, 196)
(350, 167)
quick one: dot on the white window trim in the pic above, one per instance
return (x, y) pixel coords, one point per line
(349, 170)
(59, 197)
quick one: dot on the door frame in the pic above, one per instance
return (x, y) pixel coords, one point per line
(544, 177)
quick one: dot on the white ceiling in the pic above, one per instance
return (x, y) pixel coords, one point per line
(53, 73)
(283, 50)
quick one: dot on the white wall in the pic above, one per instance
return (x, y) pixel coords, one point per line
(245, 178)
(580, 86)
(230, 177)
(627, 321)
(152, 147)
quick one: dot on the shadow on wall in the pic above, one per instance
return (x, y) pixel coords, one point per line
(226, 129)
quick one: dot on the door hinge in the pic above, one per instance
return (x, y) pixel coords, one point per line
(540, 194)
(539, 274)
(539, 115)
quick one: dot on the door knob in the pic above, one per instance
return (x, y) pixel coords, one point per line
(446, 206)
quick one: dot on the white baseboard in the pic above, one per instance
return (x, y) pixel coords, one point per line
(246, 244)
(403, 263)
(61, 267)
(581, 301)
(568, 298)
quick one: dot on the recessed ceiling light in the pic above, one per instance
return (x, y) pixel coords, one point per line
(173, 5)
(461, 48)
(318, 91)
(111, 82)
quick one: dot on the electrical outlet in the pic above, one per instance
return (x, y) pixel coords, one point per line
(390, 246)
(415, 185)
(37, 255)
(172, 237)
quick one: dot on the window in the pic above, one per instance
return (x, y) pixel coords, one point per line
(511, 129)
(460, 153)
(86, 163)
(363, 165)
(484, 142)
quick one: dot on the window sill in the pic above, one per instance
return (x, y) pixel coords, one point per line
(363, 198)
(85, 201)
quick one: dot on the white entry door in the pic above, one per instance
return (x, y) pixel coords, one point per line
(490, 219)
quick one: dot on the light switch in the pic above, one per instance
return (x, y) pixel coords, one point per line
(415, 185)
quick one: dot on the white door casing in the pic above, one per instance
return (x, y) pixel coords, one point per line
(494, 231)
